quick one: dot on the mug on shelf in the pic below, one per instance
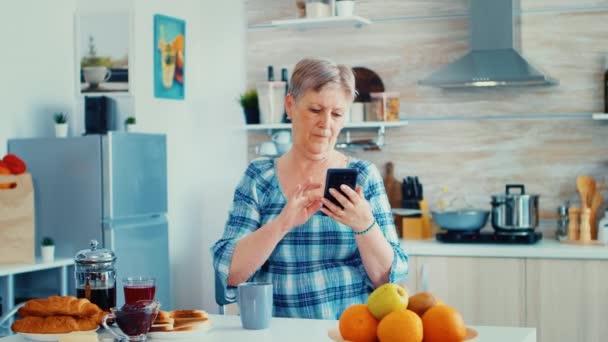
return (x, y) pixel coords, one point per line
(267, 149)
(282, 140)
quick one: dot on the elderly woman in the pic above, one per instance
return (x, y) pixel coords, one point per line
(318, 264)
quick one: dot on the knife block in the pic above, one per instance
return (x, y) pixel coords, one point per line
(414, 227)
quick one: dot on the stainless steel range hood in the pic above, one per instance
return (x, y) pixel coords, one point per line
(494, 59)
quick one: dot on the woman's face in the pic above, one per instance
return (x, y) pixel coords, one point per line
(317, 118)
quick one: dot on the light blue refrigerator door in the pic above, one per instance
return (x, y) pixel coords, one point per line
(135, 175)
(142, 249)
(67, 189)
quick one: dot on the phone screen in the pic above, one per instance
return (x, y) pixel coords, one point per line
(337, 177)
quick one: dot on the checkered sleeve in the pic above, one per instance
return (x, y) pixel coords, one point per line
(243, 218)
(375, 193)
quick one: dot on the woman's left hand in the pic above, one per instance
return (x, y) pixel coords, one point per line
(356, 214)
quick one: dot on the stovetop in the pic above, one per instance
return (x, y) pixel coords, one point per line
(489, 237)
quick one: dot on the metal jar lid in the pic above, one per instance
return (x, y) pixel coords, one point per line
(508, 195)
(94, 256)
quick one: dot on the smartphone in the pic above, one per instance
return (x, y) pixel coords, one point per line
(337, 177)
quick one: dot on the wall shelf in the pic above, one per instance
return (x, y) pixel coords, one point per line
(367, 145)
(599, 116)
(448, 16)
(308, 23)
(369, 124)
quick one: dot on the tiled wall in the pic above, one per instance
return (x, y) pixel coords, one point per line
(472, 140)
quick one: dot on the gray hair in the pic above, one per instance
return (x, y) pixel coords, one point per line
(314, 74)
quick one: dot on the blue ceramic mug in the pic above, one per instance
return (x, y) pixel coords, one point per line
(255, 304)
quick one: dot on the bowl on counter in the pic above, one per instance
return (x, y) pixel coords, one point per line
(461, 220)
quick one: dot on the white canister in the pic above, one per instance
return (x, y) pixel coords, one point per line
(345, 8)
(47, 253)
(318, 9)
(271, 101)
(61, 130)
(357, 112)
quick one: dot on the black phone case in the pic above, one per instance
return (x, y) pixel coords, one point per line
(337, 177)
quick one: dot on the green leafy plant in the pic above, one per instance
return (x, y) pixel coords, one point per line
(92, 60)
(249, 99)
(47, 241)
(130, 121)
(60, 117)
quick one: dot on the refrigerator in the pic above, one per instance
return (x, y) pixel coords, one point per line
(111, 188)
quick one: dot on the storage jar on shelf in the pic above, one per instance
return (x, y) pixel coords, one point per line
(383, 107)
(319, 8)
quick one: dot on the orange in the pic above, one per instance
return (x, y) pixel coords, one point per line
(443, 323)
(357, 324)
(5, 171)
(400, 325)
(420, 302)
(178, 43)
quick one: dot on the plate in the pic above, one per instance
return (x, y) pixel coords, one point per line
(334, 334)
(47, 337)
(178, 335)
(366, 82)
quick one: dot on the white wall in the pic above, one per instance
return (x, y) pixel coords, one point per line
(206, 147)
(36, 55)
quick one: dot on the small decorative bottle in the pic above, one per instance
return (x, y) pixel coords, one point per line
(284, 78)
(606, 84)
(585, 226)
(562, 223)
(573, 217)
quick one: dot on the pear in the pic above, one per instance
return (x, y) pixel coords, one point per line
(386, 299)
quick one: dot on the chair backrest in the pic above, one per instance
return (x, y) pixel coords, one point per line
(221, 298)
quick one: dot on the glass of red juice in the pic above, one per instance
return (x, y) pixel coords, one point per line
(138, 288)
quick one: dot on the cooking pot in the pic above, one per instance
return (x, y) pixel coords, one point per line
(515, 211)
(461, 220)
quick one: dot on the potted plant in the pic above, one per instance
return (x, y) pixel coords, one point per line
(249, 102)
(130, 124)
(61, 124)
(345, 8)
(47, 249)
(95, 69)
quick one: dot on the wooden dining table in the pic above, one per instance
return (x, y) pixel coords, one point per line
(228, 328)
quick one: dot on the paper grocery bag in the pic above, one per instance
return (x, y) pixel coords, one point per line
(17, 243)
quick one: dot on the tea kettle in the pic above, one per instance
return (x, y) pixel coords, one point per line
(95, 276)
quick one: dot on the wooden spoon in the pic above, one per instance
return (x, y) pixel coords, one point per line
(596, 203)
(590, 190)
(582, 185)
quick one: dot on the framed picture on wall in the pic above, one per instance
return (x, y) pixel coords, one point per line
(103, 44)
(169, 57)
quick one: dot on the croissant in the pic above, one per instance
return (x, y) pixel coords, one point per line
(53, 324)
(59, 305)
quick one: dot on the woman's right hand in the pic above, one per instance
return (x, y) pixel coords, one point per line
(301, 205)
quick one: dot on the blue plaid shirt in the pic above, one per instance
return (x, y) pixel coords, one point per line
(316, 270)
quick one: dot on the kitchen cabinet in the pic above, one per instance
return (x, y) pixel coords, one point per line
(487, 291)
(8, 273)
(567, 300)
